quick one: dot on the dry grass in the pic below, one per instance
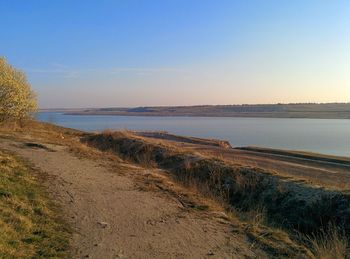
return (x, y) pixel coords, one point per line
(204, 187)
(41, 132)
(51, 134)
(329, 244)
(205, 177)
(256, 216)
(260, 196)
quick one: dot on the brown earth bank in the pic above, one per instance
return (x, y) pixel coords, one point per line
(131, 196)
(293, 110)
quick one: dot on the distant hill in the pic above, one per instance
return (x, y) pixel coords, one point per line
(300, 110)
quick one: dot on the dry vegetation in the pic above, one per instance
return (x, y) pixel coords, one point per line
(269, 203)
(31, 130)
(329, 244)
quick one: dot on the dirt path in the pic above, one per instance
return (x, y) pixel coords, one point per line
(112, 218)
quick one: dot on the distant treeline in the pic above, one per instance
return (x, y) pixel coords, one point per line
(298, 110)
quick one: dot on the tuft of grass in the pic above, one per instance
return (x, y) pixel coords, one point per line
(329, 244)
(256, 216)
(30, 227)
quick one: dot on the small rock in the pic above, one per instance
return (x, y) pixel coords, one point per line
(150, 222)
(210, 253)
(103, 224)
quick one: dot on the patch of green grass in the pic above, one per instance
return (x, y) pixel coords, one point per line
(29, 222)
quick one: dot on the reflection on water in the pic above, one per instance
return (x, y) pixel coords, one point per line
(315, 135)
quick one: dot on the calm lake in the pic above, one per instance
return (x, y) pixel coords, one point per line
(315, 135)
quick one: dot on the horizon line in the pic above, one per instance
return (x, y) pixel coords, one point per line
(196, 105)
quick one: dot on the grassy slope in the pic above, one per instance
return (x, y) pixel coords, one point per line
(30, 227)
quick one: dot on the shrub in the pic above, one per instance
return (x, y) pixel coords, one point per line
(17, 100)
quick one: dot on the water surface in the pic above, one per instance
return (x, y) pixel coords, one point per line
(315, 135)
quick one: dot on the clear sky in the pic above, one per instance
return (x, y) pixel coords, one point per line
(179, 52)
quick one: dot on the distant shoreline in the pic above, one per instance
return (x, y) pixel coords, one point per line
(240, 115)
(307, 111)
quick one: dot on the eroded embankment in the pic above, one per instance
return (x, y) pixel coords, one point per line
(192, 140)
(289, 204)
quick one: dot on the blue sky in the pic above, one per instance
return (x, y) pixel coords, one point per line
(179, 52)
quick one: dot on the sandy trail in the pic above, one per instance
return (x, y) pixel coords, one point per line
(112, 218)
